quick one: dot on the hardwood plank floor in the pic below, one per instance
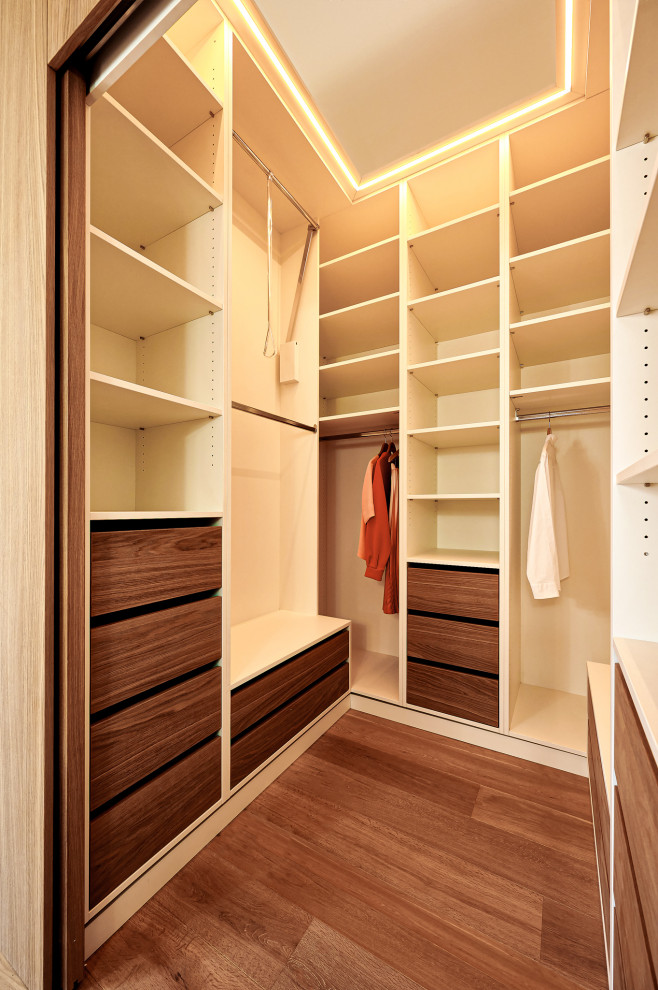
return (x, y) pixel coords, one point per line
(385, 858)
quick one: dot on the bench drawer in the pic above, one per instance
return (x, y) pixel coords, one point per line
(471, 594)
(459, 644)
(453, 692)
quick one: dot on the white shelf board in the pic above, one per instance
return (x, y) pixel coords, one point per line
(375, 373)
(563, 208)
(460, 312)
(155, 514)
(456, 497)
(375, 675)
(165, 93)
(360, 422)
(556, 718)
(563, 275)
(457, 558)
(140, 190)
(567, 395)
(639, 108)
(639, 662)
(598, 676)
(269, 640)
(639, 289)
(465, 435)
(563, 336)
(460, 252)
(642, 472)
(468, 373)
(363, 275)
(359, 328)
(134, 297)
(118, 403)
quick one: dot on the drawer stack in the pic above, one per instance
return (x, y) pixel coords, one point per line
(452, 641)
(269, 710)
(155, 693)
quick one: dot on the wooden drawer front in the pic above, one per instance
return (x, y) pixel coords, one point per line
(137, 654)
(460, 644)
(256, 699)
(637, 780)
(255, 746)
(136, 567)
(138, 740)
(453, 692)
(632, 940)
(618, 977)
(473, 594)
(134, 829)
(600, 812)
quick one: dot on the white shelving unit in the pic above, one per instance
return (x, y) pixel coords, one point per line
(375, 675)
(457, 558)
(641, 472)
(360, 276)
(461, 312)
(133, 407)
(374, 373)
(459, 252)
(465, 435)
(463, 374)
(638, 291)
(564, 275)
(365, 421)
(557, 718)
(639, 103)
(569, 395)
(367, 326)
(563, 336)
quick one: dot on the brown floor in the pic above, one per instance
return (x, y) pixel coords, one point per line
(385, 858)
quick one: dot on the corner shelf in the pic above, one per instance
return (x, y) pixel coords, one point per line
(363, 275)
(368, 420)
(375, 373)
(639, 113)
(563, 336)
(469, 373)
(638, 290)
(140, 190)
(461, 312)
(362, 327)
(642, 472)
(566, 395)
(165, 93)
(135, 297)
(375, 675)
(466, 435)
(457, 558)
(461, 251)
(564, 275)
(118, 403)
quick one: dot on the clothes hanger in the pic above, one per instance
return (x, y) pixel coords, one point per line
(549, 430)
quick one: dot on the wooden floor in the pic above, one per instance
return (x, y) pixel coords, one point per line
(385, 858)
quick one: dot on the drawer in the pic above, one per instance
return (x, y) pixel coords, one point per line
(600, 811)
(453, 692)
(472, 594)
(253, 701)
(459, 644)
(253, 747)
(140, 653)
(131, 744)
(135, 828)
(137, 567)
(632, 941)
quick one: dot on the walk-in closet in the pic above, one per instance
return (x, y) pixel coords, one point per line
(352, 672)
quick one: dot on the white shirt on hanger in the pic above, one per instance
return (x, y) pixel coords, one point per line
(548, 553)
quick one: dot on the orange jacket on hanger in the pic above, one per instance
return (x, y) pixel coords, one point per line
(375, 539)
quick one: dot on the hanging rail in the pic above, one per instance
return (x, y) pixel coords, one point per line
(586, 411)
(277, 419)
(261, 164)
(358, 436)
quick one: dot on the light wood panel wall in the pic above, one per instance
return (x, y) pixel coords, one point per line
(24, 507)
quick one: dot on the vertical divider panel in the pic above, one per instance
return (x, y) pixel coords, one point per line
(504, 438)
(405, 198)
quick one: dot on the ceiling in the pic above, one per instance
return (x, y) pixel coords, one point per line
(392, 79)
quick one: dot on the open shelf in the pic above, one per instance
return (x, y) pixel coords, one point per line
(457, 558)
(466, 435)
(145, 514)
(454, 189)
(367, 222)
(462, 374)
(363, 327)
(460, 252)
(354, 278)
(562, 208)
(598, 677)
(165, 93)
(376, 373)
(463, 531)
(639, 109)
(118, 403)
(639, 289)
(639, 661)
(563, 336)
(375, 675)
(557, 718)
(140, 191)
(135, 297)
(642, 472)
(462, 312)
(360, 422)
(568, 395)
(570, 273)
(269, 640)
(455, 497)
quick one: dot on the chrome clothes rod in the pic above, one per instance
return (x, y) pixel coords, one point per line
(273, 416)
(261, 164)
(586, 411)
(358, 436)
